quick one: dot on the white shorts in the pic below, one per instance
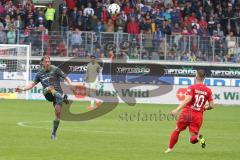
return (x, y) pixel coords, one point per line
(92, 85)
(91, 88)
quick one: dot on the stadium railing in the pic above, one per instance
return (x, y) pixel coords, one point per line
(141, 46)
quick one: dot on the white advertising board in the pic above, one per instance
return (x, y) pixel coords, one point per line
(158, 94)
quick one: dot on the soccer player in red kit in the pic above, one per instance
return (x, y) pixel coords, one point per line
(192, 107)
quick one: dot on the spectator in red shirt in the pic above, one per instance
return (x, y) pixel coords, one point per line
(127, 9)
(71, 4)
(192, 19)
(203, 23)
(132, 27)
(1, 8)
(104, 16)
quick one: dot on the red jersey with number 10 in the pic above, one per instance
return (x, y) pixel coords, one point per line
(200, 95)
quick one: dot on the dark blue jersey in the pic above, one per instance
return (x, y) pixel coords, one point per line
(50, 78)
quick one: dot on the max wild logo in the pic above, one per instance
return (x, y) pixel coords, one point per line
(109, 103)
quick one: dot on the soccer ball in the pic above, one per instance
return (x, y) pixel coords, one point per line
(113, 9)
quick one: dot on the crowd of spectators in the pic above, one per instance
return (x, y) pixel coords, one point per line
(164, 25)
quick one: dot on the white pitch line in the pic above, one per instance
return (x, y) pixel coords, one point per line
(28, 124)
(31, 124)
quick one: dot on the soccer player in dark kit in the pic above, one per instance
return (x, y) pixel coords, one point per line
(50, 77)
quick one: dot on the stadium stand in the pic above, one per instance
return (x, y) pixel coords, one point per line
(184, 30)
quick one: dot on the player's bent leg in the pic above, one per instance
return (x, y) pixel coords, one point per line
(193, 138)
(49, 96)
(58, 96)
(194, 128)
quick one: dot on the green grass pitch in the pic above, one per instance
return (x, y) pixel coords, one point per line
(112, 136)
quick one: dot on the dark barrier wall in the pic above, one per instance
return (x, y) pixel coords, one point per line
(151, 69)
(132, 69)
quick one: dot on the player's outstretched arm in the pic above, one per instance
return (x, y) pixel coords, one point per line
(187, 99)
(27, 87)
(68, 80)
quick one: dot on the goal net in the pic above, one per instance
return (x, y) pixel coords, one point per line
(14, 70)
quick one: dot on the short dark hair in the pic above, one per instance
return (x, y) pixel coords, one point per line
(201, 74)
(92, 56)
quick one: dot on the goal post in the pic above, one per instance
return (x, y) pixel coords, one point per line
(14, 70)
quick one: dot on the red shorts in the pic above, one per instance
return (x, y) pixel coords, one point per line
(191, 119)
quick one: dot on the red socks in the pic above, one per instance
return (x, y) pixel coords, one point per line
(194, 139)
(173, 139)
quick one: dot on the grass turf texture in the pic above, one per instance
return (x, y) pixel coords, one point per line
(110, 137)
